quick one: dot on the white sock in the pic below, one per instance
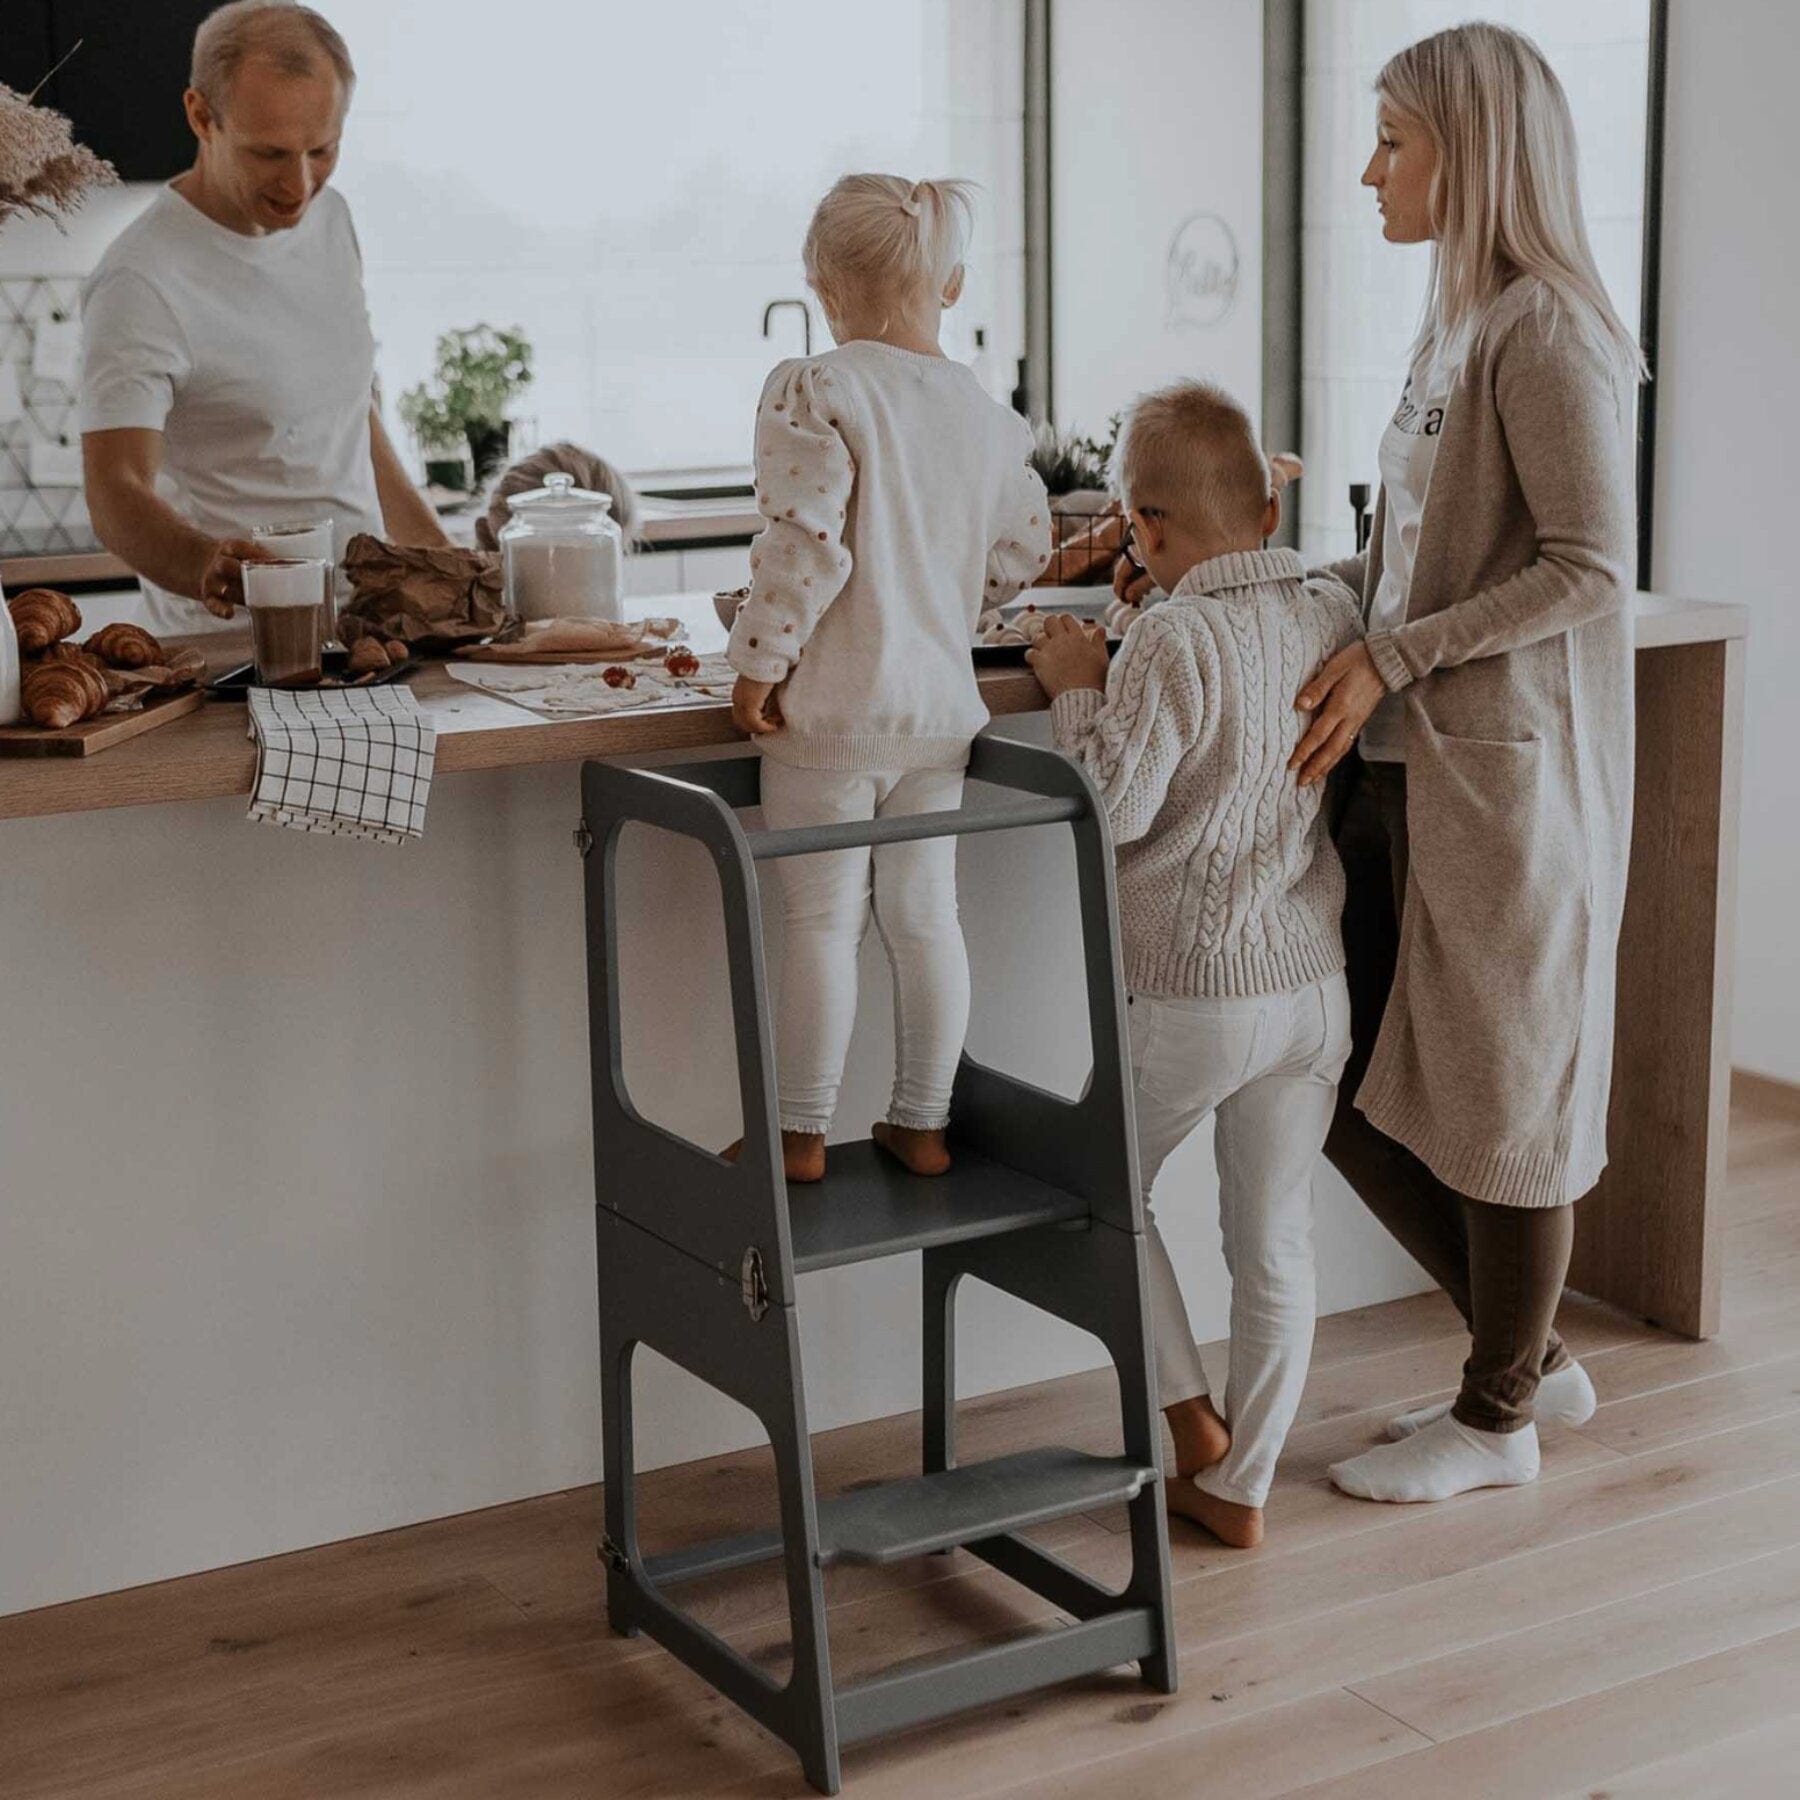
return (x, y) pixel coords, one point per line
(1442, 1459)
(1564, 1398)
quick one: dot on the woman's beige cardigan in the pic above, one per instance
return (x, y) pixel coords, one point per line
(1494, 1061)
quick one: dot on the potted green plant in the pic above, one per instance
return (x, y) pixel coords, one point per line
(1070, 464)
(443, 447)
(480, 371)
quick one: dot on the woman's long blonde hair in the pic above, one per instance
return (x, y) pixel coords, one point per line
(1506, 195)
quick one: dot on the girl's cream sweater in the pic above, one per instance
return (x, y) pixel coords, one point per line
(900, 504)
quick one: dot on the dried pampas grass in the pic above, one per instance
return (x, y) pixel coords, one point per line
(42, 169)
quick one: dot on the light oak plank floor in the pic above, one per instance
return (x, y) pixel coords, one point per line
(1630, 1625)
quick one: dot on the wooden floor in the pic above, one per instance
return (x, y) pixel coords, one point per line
(1630, 1626)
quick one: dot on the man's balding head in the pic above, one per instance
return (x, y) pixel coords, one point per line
(293, 39)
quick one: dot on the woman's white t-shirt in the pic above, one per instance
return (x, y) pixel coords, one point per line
(1408, 451)
(254, 358)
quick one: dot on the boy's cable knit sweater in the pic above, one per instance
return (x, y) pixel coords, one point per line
(1228, 884)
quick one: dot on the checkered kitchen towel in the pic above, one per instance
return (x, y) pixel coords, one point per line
(352, 762)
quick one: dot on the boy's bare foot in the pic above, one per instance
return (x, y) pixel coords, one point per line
(1237, 1527)
(802, 1155)
(924, 1152)
(1201, 1436)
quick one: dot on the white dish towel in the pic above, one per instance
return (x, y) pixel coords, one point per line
(350, 762)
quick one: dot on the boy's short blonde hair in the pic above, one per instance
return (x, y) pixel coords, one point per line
(878, 238)
(1189, 450)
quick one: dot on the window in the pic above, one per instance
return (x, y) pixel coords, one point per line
(631, 186)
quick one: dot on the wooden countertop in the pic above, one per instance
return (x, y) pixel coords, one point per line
(208, 754)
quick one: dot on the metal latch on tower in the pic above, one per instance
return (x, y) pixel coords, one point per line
(754, 1284)
(584, 839)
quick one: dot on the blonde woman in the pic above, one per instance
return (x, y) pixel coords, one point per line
(1485, 808)
(899, 500)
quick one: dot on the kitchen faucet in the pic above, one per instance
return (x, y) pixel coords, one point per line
(775, 306)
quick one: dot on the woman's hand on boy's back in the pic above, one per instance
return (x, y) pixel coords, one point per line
(1070, 654)
(1340, 698)
(755, 707)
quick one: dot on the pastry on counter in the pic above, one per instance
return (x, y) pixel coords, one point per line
(56, 694)
(43, 617)
(125, 646)
(1026, 626)
(554, 636)
(67, 650)
(367, 655)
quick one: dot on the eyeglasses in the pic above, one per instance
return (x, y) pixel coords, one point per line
(1128, 543)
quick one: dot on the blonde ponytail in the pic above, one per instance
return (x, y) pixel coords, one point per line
(881, 239)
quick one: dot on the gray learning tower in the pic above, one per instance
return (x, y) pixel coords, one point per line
(698, 1259)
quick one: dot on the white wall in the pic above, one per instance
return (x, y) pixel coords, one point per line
(1156, 152)
(1727, 399)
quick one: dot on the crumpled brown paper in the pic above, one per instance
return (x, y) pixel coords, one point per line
(430, 597)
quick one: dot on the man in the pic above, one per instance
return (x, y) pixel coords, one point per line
(229, 364)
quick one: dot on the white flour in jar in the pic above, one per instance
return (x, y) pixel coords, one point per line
(563, 578)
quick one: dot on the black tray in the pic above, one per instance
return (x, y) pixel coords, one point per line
(235, 684)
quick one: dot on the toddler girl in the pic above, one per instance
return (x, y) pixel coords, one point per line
(900, 503)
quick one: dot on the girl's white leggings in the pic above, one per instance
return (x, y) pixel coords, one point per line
(827, 902)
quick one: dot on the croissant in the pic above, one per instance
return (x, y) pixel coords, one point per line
(126, 647)
(42, 617)
(66, 650)
(62, 693)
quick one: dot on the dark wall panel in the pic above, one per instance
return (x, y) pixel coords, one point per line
(123, 87)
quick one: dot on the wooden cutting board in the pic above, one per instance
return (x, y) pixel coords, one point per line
(96, 734)
(524, 655)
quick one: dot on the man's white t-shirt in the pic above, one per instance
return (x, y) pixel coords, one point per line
(254, 358)
(1408, 451)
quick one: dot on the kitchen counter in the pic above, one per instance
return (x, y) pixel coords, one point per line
(296, 1161)
(208, 754)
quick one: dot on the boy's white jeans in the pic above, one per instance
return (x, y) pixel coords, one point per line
(827, 902)
(1267, 1066)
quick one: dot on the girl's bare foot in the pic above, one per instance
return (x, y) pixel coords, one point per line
(924, 1152)
(1238, 1527)
(1201, 1436)
(803, 1155)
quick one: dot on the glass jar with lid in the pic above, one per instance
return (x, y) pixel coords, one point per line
(562, 555)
